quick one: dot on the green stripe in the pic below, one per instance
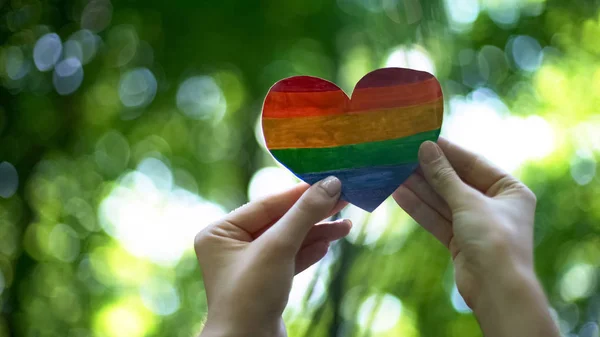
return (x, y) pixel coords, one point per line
(390, 152)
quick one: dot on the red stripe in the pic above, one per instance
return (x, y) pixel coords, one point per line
(388, 77)
(304, 84)
(402, 95)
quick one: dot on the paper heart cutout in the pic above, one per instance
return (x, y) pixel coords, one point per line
(370, 142)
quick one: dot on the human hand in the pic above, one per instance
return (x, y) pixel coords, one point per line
(249, 258)
(485, 217)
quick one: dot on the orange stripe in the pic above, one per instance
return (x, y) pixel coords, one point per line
(352, 128)
(301, 104)
(396, 96)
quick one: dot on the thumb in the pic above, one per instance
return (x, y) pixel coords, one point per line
(315, 205)
(441, 175)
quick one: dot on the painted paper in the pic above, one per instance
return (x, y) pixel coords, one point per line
(370, 142)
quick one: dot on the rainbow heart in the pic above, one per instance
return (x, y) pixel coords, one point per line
(370, 142)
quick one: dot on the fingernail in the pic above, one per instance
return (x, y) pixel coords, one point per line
(429, 152)
(343, 221)
(332, 186)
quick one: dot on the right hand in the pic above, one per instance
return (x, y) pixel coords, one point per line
(481, 214)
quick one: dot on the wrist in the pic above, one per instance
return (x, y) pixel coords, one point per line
(242, 328)
(514, 305)
(511, 286)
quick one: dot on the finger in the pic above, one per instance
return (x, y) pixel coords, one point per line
(472, 168)
(327, 232)
(314, 205)
(310, 255)
(441, 176)
(424, 215)
(421, 188)
(255, 215)
(338, 208)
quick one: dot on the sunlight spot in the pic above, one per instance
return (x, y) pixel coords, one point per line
(152, 217)
(270, 180)
(125, 318)
(480, 123)
(379, 312)
(158, 172)
(378, 222)
(587, 135)
(415, 58)
(578, 282)
(359, 218)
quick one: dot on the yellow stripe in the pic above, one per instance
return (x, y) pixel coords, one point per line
(352, 128)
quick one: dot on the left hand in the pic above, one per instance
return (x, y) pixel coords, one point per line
(249, 258)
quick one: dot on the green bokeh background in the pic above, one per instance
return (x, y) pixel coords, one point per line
(143, 129)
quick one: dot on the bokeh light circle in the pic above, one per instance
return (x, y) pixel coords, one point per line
(137, 88)
(160, 297)
(589, 329)
(200, 97)
(68, 76)
(380, 312)
(9, 180)
(462, 13)
(47, 51)
(505, 13)
(15, 64)
(97, 15)
(583, 167)
(2, 282)
(83, 45)
(73, 49)
(63, 243)
(526, 52)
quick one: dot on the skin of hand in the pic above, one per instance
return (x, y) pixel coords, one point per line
(249, 258)
(485, 217)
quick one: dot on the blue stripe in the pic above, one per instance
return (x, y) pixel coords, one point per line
(366, 187)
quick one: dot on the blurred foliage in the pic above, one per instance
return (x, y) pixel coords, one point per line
(127, 127)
